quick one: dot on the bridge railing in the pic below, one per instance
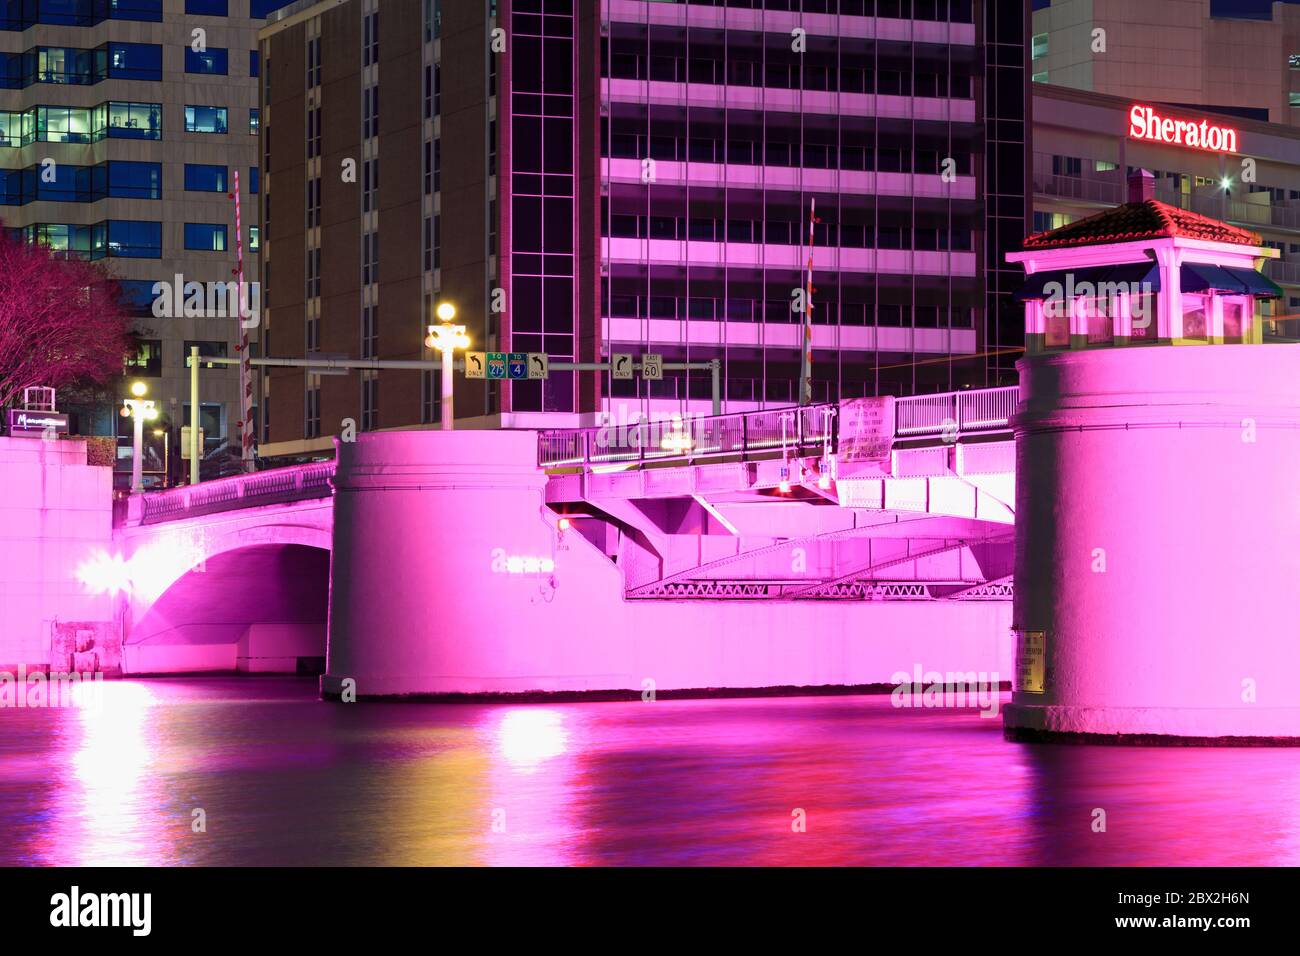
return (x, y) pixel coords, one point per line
(238, 491)
(690, 437)
(962, 413)
(795, 427)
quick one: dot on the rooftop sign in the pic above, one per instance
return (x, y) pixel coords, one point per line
(1145, 124)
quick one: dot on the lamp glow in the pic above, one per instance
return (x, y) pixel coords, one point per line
(446, 339)
(105, 574)
(141, 410)
(676, 438)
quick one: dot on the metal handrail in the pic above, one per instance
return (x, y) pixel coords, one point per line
(947, 414)
(955, 413)
(705, 437)
(238, 491)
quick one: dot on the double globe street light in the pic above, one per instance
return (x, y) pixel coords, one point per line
(446, 338)
(141, 410)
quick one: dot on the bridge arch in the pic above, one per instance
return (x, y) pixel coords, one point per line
(231, 596)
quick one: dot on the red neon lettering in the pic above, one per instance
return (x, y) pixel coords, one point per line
(1145, 124)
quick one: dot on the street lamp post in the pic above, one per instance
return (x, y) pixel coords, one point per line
(446, 338)
(195, 417)
(138, 408)
(166, 436)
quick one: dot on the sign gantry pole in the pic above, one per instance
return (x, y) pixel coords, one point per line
(195, 418)
(245, 370)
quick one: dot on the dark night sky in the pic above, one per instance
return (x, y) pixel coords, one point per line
(1226, 8)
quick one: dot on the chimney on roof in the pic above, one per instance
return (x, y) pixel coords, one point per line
(1141, 185)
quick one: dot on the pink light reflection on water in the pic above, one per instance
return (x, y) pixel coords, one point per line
(107, 800)
(289, 779)
(530, 777)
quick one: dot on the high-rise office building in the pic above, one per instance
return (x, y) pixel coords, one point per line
(1116, 86)
(122, 126)
(1086, 146)
(590, 178)
(1195, 54)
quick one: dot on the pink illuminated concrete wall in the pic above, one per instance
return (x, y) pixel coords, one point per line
(422, 598)
(257, 604)
(55, 513)
(275, 648)
(1158, 540)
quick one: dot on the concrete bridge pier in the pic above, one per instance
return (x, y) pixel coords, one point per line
(452, 576)
(1158, 546)
(425, 525)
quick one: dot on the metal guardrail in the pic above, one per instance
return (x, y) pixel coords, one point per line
(1101, 191)
(1283, 271)
(294, 483)
(797, 428)
(946, 414)
(955, 413)
(794, 427)
(1108, 189)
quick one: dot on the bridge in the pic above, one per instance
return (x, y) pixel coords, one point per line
(773, 505)
(231, 574)
(831, 546)
(766, 506)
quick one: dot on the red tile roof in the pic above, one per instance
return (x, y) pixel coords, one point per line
(1132, 221)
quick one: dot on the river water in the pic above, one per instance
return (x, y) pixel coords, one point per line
(283, 778)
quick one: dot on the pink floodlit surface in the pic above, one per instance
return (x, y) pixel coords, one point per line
(104, 573)
(287, 779)
(95, 771)
(146, 574)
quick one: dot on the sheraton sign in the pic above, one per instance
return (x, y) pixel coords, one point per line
(1145, 124)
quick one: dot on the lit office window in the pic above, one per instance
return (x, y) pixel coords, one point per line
(205, 119)
(118, 120)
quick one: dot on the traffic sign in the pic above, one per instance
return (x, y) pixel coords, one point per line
(652, 366)
(496, 364)
(475, 365)
(538, 365)
(621, 364)
(518, 366)
(185, 442)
